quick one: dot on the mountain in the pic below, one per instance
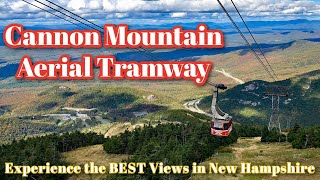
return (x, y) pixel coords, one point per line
(8, 70)
(248, 104)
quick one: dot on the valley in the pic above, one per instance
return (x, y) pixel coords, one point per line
(112, 108)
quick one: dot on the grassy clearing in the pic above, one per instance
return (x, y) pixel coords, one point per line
(250, 112)
(251, 150)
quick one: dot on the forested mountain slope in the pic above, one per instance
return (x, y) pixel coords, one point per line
(248, 104)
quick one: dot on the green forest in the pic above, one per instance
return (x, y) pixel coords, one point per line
(172, 144)
(39, 150)
(299, 137)
(304, 137)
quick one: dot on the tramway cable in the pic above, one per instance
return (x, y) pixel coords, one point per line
(73, 14)
(221, 123)
(136, 50)
(245, 39)
(150, 54)
(62, 13)
(274, 121)
(54, 14)
(254, 39)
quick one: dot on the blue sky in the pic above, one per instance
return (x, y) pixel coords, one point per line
(157, 11)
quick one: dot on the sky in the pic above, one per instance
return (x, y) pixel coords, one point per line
(158, 11)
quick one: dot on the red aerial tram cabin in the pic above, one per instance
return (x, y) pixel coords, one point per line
(221, 124)
(221, 127)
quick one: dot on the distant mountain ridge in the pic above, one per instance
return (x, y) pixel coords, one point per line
(227, 27)
(9, 70)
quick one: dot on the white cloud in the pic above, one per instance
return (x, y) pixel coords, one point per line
(178, 14)
(77, 4)
(105, 9)
(121, 15)
(21, 6)
(96, 4)
(295, 10)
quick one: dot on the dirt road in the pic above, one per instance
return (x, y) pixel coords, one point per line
(229, 76)
(193, 106)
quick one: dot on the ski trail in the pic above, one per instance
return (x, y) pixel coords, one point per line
(230, 76)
